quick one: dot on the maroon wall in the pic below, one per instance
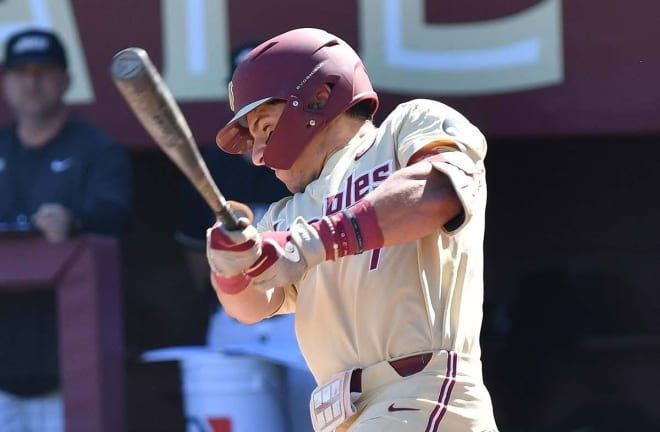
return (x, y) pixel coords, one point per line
(609, 64)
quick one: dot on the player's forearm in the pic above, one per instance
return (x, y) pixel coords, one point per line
(410, 204)
(247, 304)
(413, 202)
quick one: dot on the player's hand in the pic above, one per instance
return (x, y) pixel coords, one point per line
(232, 252)
(54, 220)
(286, 256)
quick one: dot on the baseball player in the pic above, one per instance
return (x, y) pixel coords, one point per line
(378, 251)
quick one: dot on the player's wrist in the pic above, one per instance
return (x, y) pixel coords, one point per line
(350, 231)
(230, 284)
(307, 238)
(301, 236)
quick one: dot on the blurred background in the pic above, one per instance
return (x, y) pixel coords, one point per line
(567, 95)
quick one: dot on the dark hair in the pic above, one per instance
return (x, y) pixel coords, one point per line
(362, 110)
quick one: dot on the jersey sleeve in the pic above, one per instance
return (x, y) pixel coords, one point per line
(430, 127)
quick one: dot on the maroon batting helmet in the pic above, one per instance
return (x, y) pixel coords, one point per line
(291, 67)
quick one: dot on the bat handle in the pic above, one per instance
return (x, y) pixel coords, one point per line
(229, 220)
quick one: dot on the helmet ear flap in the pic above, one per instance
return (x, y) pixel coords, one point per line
(282, 151)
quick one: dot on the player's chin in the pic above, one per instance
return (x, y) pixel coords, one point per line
(291, 184)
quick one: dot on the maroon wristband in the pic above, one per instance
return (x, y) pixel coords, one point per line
(231, 284)
(351, 231)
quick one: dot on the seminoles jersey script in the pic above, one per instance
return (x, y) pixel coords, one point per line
(398, 300)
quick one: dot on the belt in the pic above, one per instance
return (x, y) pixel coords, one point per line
(404, 367)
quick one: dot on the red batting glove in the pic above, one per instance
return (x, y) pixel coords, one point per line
(232, 252)
(230, 284)
(284, 257)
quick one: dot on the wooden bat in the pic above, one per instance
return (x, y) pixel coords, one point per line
(153, 104)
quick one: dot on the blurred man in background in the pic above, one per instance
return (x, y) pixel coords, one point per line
(59, 175)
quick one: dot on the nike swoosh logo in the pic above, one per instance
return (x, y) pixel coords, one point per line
(392, 408)
(291, 252)
(61, 165)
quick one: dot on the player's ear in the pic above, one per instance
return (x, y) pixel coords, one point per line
(320, 98)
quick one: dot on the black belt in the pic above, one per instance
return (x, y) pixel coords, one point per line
(404, 367)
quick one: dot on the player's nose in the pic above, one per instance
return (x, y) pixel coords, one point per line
(258, 149)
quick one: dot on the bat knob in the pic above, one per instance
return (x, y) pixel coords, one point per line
(241, 210)
(128, 63)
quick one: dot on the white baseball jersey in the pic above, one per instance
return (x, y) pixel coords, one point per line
(425, 295)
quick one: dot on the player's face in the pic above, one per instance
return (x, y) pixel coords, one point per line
(261, 123)
(34, 90)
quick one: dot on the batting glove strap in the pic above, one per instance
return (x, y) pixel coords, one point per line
(286, 256)
(274, 245)
(232, 252)
(350, 232)
(307, 238)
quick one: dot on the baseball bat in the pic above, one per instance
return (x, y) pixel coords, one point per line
(152, 103)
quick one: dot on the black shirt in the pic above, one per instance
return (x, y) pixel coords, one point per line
(87, 172)
(81, 168)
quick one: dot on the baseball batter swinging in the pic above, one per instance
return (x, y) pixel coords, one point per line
(379, 249)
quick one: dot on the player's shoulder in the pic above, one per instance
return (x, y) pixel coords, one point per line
(416, 109)
(282, 213)
(431, 118)
(275, 216)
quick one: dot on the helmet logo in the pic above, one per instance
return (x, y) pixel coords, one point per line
(311, 74)
(230, 93)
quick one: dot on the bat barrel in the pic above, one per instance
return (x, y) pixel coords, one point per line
(152, 103)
